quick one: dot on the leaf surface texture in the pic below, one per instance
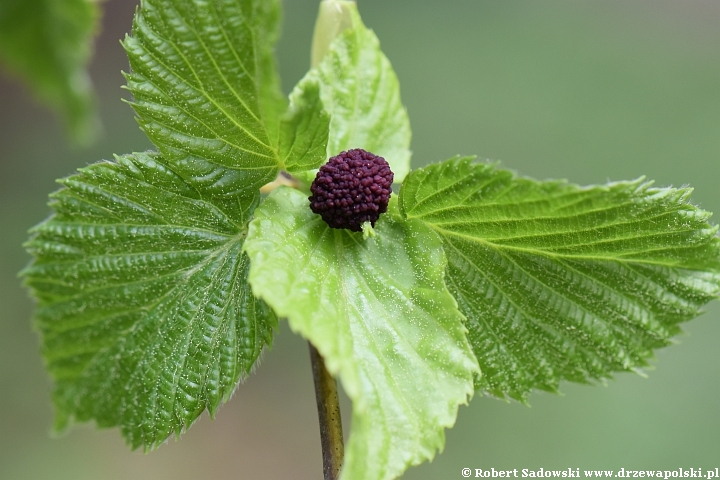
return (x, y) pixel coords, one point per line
(561, 282)
(379, 314)
(145, 312)
(206, 89)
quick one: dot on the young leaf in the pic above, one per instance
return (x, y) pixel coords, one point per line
(362, 94)
(144, 309)
(48, 43)
(378, 312)
(561, 282)
(206, 89)
(304, 129)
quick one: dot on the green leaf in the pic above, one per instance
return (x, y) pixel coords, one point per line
(561, 282)
(145, 312)
(304, 130)
(206, 89)
(48, 43)
(362, 94)
(378, 312)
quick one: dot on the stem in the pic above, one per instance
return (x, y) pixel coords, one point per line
(334, 17)
(331, 436)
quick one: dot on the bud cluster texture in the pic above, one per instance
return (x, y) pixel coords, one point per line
(352, 188)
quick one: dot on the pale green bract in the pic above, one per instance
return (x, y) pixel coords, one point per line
(362, 93)
(561, 282)
(48, 43)
(144, 309)
(378, 312)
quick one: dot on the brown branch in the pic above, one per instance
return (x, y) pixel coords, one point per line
(331, 436)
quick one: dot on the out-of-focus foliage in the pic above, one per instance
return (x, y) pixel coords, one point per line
(48, 43)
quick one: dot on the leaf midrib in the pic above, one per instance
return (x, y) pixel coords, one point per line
(553, 255)
(524, 205)
(212, 235)
(199, 313)
(398, 396)
(610, 325)
(530, 318)
(201, 86)
(149, 306)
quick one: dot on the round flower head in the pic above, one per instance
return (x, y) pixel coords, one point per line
(352, 188)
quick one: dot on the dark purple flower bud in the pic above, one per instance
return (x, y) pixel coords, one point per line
(352, 188)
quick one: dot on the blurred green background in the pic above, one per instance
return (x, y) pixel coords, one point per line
(585, 90)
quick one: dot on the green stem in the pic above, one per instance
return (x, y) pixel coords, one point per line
(331, 436)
